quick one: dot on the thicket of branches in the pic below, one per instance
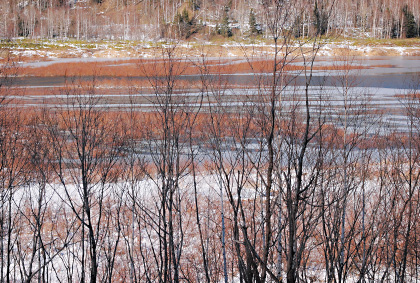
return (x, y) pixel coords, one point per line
(285, 185)
(148, 20)
(289, 186)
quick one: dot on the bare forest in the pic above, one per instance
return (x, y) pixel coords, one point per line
(203, 19)
(190, 176)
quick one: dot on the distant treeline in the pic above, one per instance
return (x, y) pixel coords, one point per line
(151, 19)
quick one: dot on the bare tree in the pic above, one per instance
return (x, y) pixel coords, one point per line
(166, 136)
(86, 148)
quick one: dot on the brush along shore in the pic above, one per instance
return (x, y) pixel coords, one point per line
(40, 50)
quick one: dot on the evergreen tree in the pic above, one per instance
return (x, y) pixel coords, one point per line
(395, 28)
(410, 25)
(186, 24)
(253, 26)
(321, 19)
(224, 29)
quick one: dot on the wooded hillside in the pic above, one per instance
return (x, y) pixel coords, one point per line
(152, 19)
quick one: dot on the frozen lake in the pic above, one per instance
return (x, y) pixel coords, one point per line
(378, 82)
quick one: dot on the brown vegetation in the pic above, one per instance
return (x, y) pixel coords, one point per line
(193, 190)
(139, 68)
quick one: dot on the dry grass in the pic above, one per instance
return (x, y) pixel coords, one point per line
(151, 68)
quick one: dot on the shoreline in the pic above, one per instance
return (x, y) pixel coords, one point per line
(35, 51)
